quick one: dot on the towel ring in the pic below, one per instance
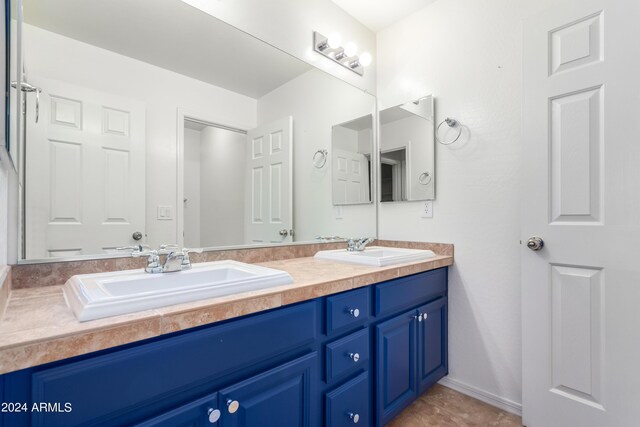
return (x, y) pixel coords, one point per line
(424, 178)
(451, 123)
(320, 158)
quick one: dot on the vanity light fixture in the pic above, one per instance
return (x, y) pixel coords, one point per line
(330, 48)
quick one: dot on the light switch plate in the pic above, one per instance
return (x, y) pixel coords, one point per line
(165, 213)
(426, 209)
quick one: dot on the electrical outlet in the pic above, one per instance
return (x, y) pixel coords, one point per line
(426, 209)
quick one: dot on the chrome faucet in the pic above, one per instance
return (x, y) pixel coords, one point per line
(358, 244)
(175, 260)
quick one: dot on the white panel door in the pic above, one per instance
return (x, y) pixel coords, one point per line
(85, 173)
(581, 291)
(268, 183)
(350, 178)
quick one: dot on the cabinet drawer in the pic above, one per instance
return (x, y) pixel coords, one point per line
(349, 403)
(403, 293)
(347, 354)
(105, 388)
(347, 310)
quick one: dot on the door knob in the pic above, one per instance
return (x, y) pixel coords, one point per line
(232, 406)
(137, 235)
(535, 243)
(284, 232)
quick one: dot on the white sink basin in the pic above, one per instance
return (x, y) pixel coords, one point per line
(377, 256)
(93, 296)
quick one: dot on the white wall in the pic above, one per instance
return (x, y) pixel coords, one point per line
(468, 53)
(222, 179)
(312, 101)
(289, 25)
(56, 57)
(192, 157)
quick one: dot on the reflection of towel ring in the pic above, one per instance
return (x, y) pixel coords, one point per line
(320, 158)
(424, 178)
(451, 123)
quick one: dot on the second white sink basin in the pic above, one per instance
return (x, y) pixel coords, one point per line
(93, 296)
(377, 256)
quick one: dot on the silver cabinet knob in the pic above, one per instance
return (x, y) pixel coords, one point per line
(418, 317)
(535, 243)
(136, 235)
(354, 417)
(232, 406)
(354, 312)
(425, 316)
(354, 356)
(284, 232)
(214, 415)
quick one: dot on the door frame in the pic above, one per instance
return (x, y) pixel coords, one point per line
(206, 119)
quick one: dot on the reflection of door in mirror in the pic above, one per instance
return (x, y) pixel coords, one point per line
(229, 171)
(407, 157)
(85, 176)
(351, 144)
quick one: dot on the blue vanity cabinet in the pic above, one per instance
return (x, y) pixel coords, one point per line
(356, 357)
(283, 397)
(396, 365)
(432, 343)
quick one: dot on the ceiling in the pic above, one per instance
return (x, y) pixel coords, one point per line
(379, 14)
(172, 35)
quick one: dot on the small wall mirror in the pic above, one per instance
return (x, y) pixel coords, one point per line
(351, 148)
(407, 156)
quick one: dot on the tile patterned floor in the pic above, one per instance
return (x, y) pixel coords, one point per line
(442, 406)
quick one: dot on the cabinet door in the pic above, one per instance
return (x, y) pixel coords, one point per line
(283, 397)
(199, 413)
(396, 365)
(432, 343)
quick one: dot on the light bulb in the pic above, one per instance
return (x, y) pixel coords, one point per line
(334, 40)
(365, 59)
(350, 49)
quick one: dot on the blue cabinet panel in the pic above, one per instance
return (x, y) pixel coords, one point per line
(347, 310)
(403, 293)
(283, 397)
(194, 414)
(432, 344)
(347, 355)
(349, 404)
(396, 365)
(127, 380)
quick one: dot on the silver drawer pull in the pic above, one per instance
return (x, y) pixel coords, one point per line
(354, 356)
(354, 417)
(354, 312)
(232, 406)
(214, 415)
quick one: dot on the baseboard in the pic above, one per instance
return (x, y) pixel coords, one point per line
(485, 396)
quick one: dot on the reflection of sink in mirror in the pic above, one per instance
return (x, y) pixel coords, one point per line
(93, 296)
(377, 256)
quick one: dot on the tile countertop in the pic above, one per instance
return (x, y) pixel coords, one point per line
(38, 327)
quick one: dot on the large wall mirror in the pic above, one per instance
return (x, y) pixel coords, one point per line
(407, 157)
(158, 123)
